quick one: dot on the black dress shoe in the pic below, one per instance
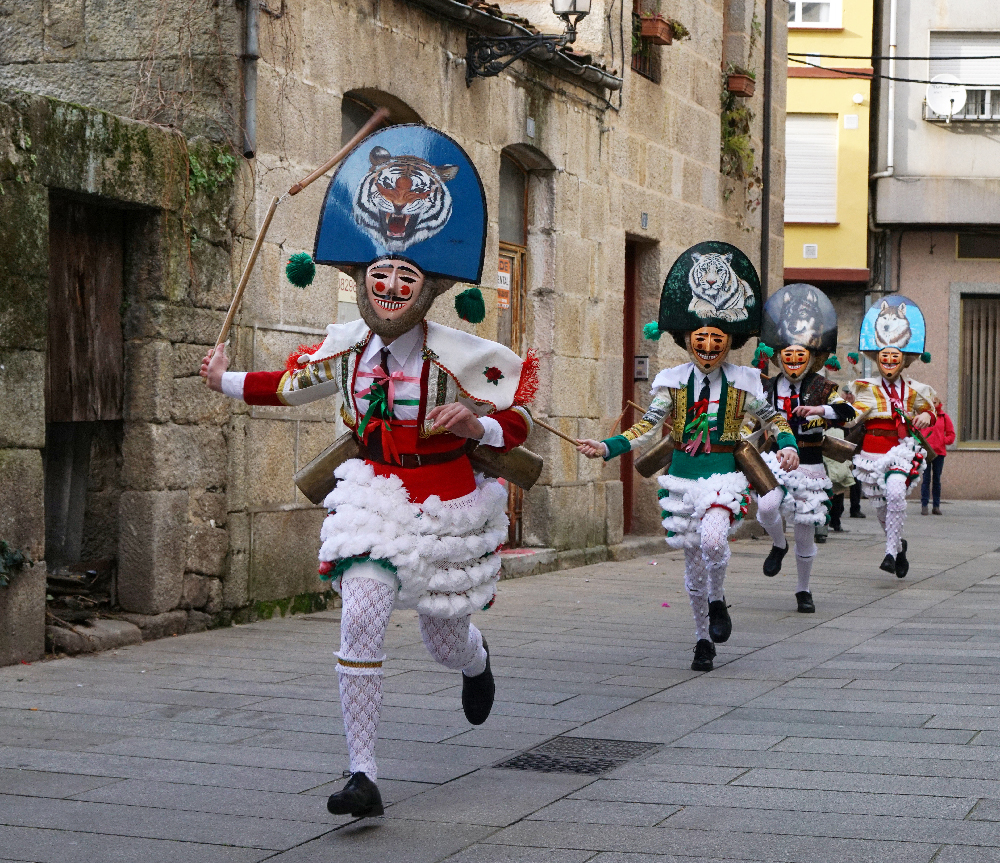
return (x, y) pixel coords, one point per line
(857, 513)
(478, 693)
(704, 653)
(720, 626)
(359, 798)
(888, 564)
(805, 600)
(902, 564)
(772, 563)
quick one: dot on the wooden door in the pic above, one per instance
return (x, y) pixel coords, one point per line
(628, 377)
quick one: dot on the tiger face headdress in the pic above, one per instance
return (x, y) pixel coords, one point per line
(409, 192)
(711, 284)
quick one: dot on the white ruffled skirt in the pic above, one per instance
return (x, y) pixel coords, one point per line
(442, 556)
(807, 498)
(870, 468)
(688, 500)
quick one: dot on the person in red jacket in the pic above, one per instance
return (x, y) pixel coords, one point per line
(940, 436)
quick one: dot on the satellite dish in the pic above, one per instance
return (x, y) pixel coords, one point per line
(945, 95)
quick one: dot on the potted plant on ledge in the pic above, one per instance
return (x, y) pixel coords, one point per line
(740, 81)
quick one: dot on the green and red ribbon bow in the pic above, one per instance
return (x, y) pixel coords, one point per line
(699, 426)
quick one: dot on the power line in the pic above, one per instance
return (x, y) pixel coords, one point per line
(848, 73)
(879, 57)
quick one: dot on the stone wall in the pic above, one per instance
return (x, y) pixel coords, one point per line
(209, 512)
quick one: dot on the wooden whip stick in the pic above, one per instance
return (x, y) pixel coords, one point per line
(621, 416)
(374, 122)
(554, 431)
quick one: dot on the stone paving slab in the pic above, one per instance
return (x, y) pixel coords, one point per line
(869, 731)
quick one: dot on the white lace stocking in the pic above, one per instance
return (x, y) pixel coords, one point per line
(769, 516)
(695, 579)
(805, 553)
(363, 621)
(895, 512)
(455, 643)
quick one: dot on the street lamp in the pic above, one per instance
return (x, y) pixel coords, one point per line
(489, 56)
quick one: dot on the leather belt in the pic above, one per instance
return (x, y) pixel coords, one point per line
(802, 443)
(716, 447)
(412, 460)
(882, 433)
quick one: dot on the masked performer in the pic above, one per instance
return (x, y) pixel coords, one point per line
(894, 408)
(409, 523)
(799, 335)
(711, 302)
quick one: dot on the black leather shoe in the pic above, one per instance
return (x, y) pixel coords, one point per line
(902, 564)
(857, 513)
(478, 693)
(359, 798)
(805, 600)
(704, 653)
(888, 564)
(772, 563)
(720, 626)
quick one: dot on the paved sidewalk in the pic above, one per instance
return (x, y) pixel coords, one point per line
(869, 731)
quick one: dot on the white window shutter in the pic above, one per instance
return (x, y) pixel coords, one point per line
(811, 168)
(964, 45)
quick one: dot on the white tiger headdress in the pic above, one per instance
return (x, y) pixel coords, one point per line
(717, 291)
(403, 200)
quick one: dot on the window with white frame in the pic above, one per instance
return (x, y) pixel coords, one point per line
(969, 56)
(811, 168)
(815, 13)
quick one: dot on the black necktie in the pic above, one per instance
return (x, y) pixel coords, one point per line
(383, 361)
(706, 390)
(793, 403)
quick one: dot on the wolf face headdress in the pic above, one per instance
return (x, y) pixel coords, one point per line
(803, 315)
(893, 322)
(407, 192)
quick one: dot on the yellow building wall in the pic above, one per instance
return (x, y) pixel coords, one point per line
(845, 244)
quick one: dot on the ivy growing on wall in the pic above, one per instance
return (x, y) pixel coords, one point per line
(11, 561)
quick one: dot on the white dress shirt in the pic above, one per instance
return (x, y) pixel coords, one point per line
(784, 391)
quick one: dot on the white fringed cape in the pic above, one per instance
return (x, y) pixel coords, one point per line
(807, 498)
(444, 553)
(871, 469)
(688, 500)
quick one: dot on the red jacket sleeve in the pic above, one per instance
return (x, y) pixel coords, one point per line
(949, 429)
(515, 428)
(261, 388)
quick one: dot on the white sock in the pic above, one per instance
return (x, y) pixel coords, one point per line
(455, 643)
(769, 516)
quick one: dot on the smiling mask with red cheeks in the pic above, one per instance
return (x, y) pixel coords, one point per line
(890, 363)
(794, 362)
(708, 348)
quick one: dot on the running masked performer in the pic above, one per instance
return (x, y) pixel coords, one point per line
(711, 302)
(894, 408)
(799, 335)
(410, 524)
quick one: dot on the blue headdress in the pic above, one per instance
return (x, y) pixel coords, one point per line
(407, 192)
(893, 322)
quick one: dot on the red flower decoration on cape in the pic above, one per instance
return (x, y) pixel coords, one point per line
(493, 375)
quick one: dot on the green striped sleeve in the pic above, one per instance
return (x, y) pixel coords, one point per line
(786, 439)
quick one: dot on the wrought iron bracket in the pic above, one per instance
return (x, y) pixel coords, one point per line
(487, 56)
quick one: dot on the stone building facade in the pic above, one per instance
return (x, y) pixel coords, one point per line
(593, 191)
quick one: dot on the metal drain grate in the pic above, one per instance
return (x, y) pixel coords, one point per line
(586, 755)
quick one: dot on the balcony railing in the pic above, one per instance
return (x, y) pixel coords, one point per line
(981, 106)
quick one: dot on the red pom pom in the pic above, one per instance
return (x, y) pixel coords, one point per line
(527, 387)
(324, 567)
(292, 363)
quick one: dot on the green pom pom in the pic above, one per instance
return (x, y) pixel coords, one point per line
(762, 355)
(470, 306)
(925, 357)
(301, 270)
(651, 331)
(854, 358)
(833, 364)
